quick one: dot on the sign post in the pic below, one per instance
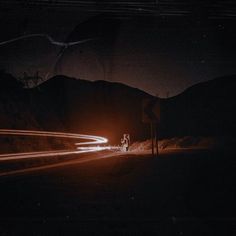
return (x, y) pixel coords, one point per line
(151, 114)
(152, 138)
(156, 140)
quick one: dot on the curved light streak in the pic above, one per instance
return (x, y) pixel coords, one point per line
(63, 45)
(94, 140)
(51, 40)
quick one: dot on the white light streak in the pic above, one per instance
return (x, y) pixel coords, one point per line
(94, 140)
(51, 40)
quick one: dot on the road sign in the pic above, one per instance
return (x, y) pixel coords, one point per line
(151, 110)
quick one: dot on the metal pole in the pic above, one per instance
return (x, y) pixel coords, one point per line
(152, 139)
(156, 139)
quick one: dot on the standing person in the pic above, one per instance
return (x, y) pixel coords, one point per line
(128, 141)
(125, 142)
(123, 148)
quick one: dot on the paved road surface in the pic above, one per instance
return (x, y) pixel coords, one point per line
(179, 193)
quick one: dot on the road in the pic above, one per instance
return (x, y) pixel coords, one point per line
(184, 192)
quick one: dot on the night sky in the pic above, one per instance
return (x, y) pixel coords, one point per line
(161, 49)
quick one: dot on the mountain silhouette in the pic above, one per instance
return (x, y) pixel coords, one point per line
(111, 109)
(204, 109)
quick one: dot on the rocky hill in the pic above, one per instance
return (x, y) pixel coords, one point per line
(111, 109)
(206, 109)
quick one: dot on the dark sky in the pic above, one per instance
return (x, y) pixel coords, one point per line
(160, 47)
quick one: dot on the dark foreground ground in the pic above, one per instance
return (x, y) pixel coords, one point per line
(180, 193)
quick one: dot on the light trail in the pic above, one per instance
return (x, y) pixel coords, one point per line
(49, 38)
(94, 140)
(63, 45)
